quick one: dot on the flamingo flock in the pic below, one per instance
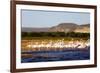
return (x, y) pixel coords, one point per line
(58, 44)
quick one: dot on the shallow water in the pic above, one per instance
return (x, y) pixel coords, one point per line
(65, 55)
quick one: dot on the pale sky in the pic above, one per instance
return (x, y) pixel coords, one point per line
(40, 18)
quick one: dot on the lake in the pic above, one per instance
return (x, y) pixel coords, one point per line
(49, 56)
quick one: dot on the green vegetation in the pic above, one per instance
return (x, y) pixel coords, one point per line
(55, 34)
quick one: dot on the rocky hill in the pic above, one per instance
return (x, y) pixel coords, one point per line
(71, 27)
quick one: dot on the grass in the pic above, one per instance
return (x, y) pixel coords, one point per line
(53, 38)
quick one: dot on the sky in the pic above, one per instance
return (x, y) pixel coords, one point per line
(40, 18)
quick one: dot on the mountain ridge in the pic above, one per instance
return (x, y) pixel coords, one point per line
(62, 27)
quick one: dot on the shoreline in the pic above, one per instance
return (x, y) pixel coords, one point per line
(61, 50)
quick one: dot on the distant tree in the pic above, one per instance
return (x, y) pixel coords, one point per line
(55, 34)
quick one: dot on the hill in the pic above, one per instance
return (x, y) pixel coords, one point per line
(62, 27)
